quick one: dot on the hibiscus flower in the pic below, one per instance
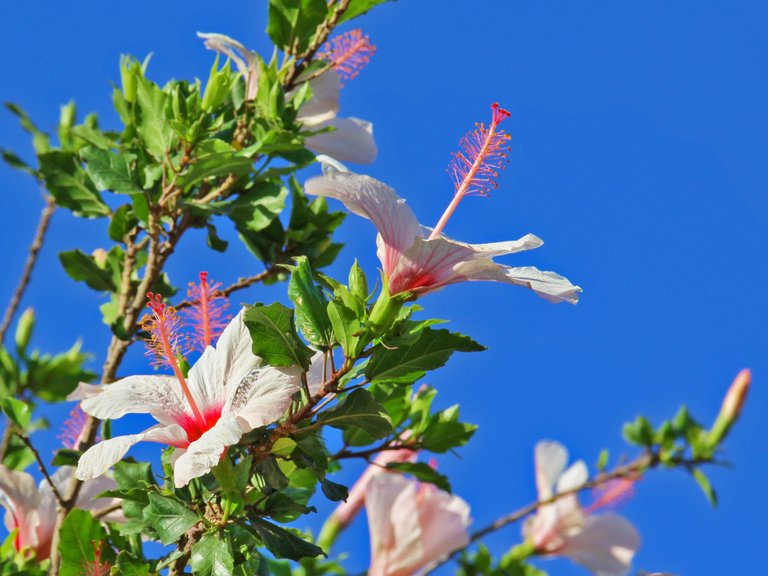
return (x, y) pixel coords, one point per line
(228, 392)
(351, 139)
(412, 524)
(419, 260)
(603, 543)
(31, 509)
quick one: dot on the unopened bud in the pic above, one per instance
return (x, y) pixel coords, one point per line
(100, 256)
(358, 284)
(24, 329)
(731, 408)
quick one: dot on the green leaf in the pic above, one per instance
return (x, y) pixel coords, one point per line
(211, 556)
(295, 21)
(214, 241)
(423, 472)
(70, 185)
(153, 126)
(84, 268)
(214, 158)
(79, 536)
(110, 170)
(169, 517)
(14, 161)
(284, 544)
(333, 491)
(274, 336)
(444, 431)
(346, 326)
(18, 412)
(128, 565)
(359, 7)
(66, 457)
(40, 140)
(123, 221)
(359, 410)
(24, 328)
(406, 364)
(705, 485)
(311, 305)
(640, 432)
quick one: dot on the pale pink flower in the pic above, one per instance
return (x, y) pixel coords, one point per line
(31, 509)
(412, 524)
(351, 139)
(227, 393)
(603, 543)
(417, 260)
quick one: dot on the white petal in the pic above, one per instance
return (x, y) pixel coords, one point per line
(216, 375)
(376, 201)
(550, 460)
(351, 141)
(319, 368)
(263, 397)
(444, 520)
(493, 249)
(407, 553)
(84, 391)
(324, 104)
(101, 457)
(383, 491)
(573, 478)
(247, 62)
(548, 285)
(156, 395)
(205, 452)
(605, 546)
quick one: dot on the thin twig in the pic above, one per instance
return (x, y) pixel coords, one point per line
(42, 467)
(98, 514)
(29, 264)
(304, 59)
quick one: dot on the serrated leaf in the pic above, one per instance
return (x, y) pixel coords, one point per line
(211, 556)
(153, 126)
(359, 410)
(169, 517)
(274, 336)
(311, 305)
(284, 544)
(407, 363)
(359, 7)
(83, 268)
(110, 170)
(128, 565)
(70, 185)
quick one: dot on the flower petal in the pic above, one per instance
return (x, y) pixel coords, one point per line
(101, 457)
(247, 62)
(215, 377)
(574, 477)
(205, 452)
(351, 141)
(444, 520)
(319, 367)
(156, 395)
(605, 546)
(377, 202)
(324, 104)
(19, 496)
(550, 460)
(548, 285)
(264, 396)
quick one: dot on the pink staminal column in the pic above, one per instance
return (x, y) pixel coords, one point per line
(475, 168)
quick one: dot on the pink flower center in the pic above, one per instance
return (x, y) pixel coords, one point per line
(194, 428)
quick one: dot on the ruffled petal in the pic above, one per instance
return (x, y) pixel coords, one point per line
(264, 396)
(547, 285)
(550, 459)
(351, 141)
(324, 104)
(205, 452)
(605, 546)
(101, 457)
(215, 377)
(377, 202)
(155, 395)
(383, 491)
(247, 62)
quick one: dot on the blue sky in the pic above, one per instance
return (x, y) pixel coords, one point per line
(639, 134)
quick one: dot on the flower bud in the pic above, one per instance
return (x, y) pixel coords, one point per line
(731, 408)
(358, 283)
(384, 312)
(24, 329)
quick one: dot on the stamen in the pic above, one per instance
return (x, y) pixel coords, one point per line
(72, 430)
(613, 493)
(206, 314)
(165, 344)
(348, 53)
(476, 166)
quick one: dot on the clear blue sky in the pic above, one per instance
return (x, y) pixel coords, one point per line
(640, 132)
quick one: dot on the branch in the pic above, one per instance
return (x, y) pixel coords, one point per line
(42, 467)
(26, 274)
(646, 461)
(304, 59)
